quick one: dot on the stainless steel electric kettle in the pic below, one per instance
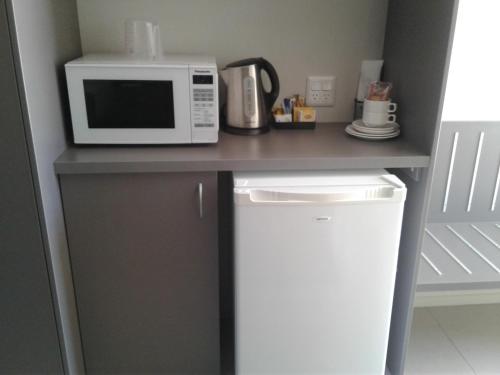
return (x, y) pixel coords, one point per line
(248, 105)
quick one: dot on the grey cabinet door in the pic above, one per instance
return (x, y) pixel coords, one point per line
(29, 342)
(145, 270)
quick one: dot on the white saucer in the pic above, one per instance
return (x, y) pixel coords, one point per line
(361, 127)
(351, 131)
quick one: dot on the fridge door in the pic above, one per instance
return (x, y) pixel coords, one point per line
(314, 277)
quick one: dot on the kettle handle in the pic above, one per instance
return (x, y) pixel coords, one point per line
(270, 97)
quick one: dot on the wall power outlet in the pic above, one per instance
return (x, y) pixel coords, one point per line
(320, 91)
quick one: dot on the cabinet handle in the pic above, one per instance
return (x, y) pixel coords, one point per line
(200, 199)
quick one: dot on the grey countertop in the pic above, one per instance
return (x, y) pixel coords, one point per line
(326, 147)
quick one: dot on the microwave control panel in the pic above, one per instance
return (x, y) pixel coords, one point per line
(204, 104)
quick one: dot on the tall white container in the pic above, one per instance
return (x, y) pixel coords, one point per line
(315, 264)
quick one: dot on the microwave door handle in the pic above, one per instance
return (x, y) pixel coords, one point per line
(200, 199)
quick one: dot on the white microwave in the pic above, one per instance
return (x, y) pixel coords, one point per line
(115, 99)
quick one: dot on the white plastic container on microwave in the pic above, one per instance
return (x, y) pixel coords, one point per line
(115, 99)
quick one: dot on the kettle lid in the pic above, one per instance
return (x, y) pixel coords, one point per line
(245, 62)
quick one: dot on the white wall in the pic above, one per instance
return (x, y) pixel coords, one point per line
(300, 37)
(47, 36)
(473, 84)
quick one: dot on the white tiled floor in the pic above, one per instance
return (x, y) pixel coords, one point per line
(455, 340)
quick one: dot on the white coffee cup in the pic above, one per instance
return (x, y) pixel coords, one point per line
(379, 106)
(378, 119)
(378, 112)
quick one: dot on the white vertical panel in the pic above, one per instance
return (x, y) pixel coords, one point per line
(474, 55)
(47, 36)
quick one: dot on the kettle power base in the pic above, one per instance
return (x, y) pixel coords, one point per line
(242, 131)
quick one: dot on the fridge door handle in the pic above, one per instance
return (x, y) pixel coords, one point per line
(277, 196)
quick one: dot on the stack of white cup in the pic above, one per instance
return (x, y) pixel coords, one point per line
(379, 112)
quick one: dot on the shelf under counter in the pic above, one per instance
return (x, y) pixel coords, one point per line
(326, 147)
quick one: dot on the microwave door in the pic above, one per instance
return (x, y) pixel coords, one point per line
(131, 105)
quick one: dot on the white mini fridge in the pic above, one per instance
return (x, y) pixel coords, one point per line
(314, 270)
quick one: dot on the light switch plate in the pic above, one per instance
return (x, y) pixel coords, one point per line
(320, 91)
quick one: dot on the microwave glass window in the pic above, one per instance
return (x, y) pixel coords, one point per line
(120, 104)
